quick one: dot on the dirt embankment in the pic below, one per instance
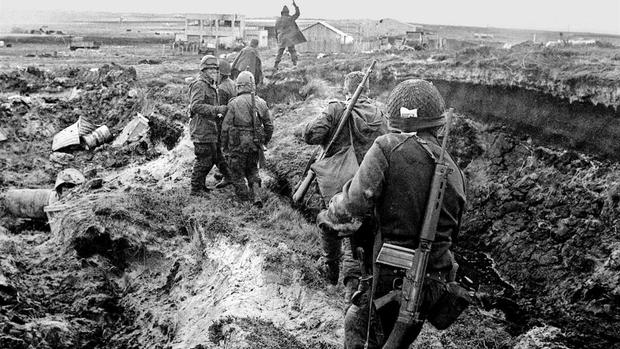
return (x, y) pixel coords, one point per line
(548, 94)
(138, 263)
(547, 217)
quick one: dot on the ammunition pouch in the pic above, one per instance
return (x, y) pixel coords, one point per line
(234, 139)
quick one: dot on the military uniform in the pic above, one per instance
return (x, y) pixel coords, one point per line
(288, 34)
(393, 182)
(243, 136)
(369, 122)
(226, 92)
(248, 59)
(204, 109)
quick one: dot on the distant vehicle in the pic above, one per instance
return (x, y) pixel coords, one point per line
(78, 42)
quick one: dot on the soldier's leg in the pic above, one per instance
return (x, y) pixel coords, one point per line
(293, 52)
(222, 166)
(203, 163)
(351, 272)
(251, 173)
(236, 162)
(332, 251)
(279, 57)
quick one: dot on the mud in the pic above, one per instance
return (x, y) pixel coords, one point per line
(138, 263)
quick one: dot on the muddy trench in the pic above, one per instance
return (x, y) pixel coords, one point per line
(540, 234)
(541, 229)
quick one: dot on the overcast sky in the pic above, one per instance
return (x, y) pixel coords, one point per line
(602, 16)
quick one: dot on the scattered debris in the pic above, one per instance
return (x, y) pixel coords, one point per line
(149, 61)
(99, 136)
(61, 158)
(28, 203)
(72, 134)
(68, 178)
(133, 131)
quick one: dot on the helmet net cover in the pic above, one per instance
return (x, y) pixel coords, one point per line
(245, 82)
(353, 79)
(224, 67)
(423, 101)
(209, 61)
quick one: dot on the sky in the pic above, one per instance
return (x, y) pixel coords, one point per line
(599, 16)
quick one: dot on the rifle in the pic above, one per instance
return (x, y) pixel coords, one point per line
(303, 186)
(409, 313)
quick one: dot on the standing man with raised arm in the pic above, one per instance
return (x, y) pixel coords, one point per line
(288, 34)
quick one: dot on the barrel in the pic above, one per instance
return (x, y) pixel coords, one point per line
(28, 203)
(98, 137)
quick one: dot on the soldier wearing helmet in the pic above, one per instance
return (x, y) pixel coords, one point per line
(393, 184)
(367, 122)
(245, 131)
(226, 91)
(249, 59)
(204, 112)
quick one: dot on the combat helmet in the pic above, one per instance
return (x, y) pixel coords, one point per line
(245, 82)
(414, 105)
(352, 80)
(67, 178)
(208, 61)
(224, 67)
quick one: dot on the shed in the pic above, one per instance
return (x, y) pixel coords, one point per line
(323, 37)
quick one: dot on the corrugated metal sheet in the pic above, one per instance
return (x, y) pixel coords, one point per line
(71, 135)
(3, 135)
(133, 131)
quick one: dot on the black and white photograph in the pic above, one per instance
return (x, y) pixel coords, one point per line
(310, 174)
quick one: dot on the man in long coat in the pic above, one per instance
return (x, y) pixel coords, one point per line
(288, 34)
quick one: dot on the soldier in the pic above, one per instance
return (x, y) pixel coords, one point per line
(393, 182)
(246, 129)
(288, 34)
(226, 92)
(369, 122)
(204, 110)
(249, 59)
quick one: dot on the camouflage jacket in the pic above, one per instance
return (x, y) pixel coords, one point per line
(242, 132)
(227, 91)
(203, 110)
(393, 182)
(368, 120)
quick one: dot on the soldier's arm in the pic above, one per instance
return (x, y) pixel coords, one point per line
(259, 71)
(318, 130)
(265, 118)
(296, 15)
(197, 106)
(236, 61)
(360, 194)
(226, 124)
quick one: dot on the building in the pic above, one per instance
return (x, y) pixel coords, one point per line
(217, 29)
(323, 37)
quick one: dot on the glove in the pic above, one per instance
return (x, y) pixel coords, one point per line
(326, 220)
(221, 109)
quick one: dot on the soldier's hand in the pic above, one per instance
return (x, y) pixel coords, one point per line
(326, 220)
(222, 109)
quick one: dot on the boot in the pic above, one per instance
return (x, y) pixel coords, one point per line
(203, 192)
(330, 270)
